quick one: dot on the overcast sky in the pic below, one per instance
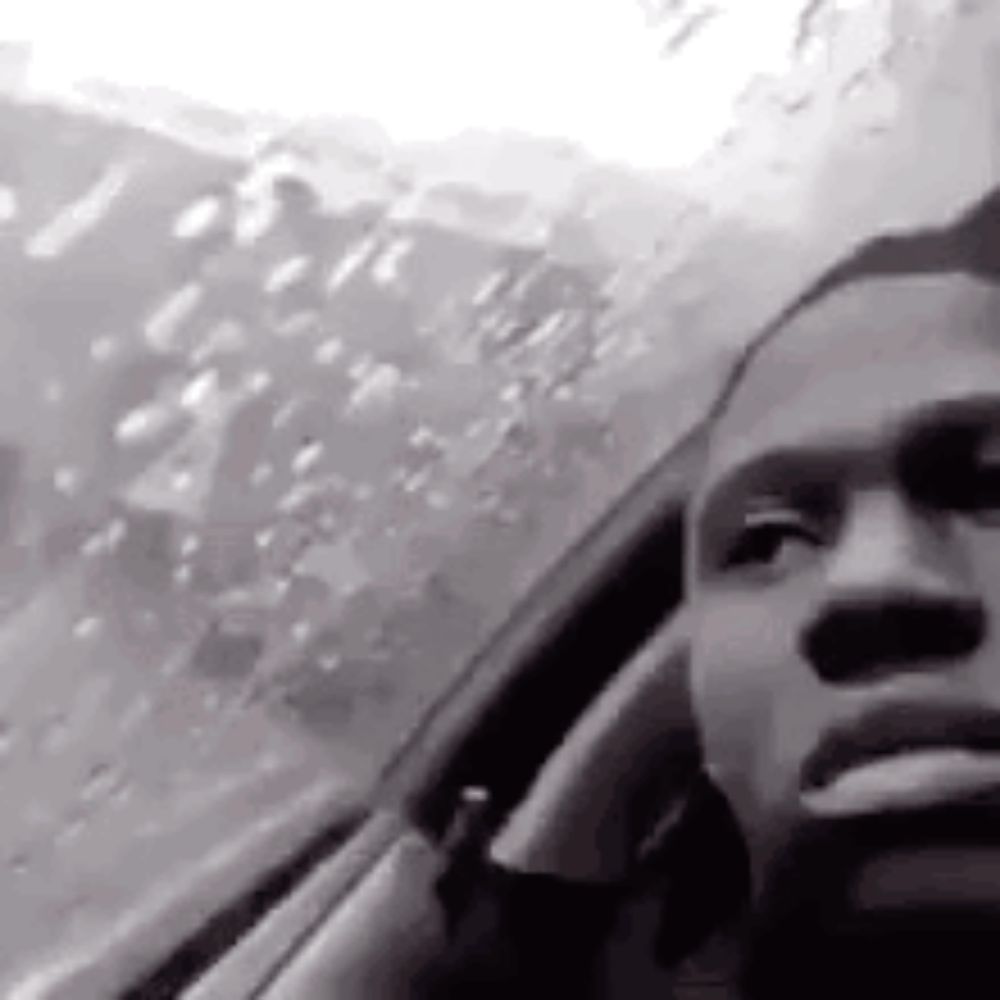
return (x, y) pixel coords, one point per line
(589, 70)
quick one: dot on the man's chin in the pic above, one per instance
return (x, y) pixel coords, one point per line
(904, 903)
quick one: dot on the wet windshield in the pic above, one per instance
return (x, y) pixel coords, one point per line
(324, 335)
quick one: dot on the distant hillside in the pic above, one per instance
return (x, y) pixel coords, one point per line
(330, 402)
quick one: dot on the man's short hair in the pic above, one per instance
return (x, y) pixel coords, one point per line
(969, 245)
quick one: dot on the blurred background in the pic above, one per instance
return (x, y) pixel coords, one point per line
(327, 327)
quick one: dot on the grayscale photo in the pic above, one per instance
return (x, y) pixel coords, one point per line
(500, 499)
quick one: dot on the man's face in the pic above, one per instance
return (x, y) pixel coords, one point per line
(845, 566)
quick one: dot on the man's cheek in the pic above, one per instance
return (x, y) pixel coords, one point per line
(734, 695)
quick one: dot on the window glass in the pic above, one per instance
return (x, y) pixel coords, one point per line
(326, 332)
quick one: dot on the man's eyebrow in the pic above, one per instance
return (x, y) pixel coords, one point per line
(786, 468)
(781, 471)
(981, 406)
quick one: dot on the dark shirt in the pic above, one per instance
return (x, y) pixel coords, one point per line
(533, 936)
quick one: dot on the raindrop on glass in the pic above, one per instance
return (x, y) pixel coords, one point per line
(189, 545)
(196, 219)
(87, 628)
(329, 351)
(329, 662)
(103, 348)
(101, 779)
(286, 273)
(141, 423)
(261, 473)
(8, 204)
(199, 389)
(181, 481)
(307, 457)
(6, 738)
(258, 381)
(67, 480)
(53, 391)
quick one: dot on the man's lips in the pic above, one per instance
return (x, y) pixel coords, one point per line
(923, 732)
(912, 779)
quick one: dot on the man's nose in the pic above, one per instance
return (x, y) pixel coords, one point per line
(896, 597)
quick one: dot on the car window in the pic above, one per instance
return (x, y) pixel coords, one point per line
(326, 334)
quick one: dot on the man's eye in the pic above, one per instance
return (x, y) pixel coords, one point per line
(961, 473)
(984, 486)
(771, 540)
(972, 484)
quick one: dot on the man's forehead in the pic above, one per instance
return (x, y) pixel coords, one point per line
(860, 359)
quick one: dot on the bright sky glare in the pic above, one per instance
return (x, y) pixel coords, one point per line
(587, 70)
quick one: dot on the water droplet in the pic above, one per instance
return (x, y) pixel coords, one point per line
(71, 831)
(75, 219)
(360, 367)
(507, 516)
(103, 349)
(438, 500)
(101, 779)
(67, 480)
(307, 457)
(6, 738)
(423, 436)
(181, 480)
(261, 473)
(163, 325)
(141, 423)
(287, 273)
(8, 204)
(87, 628)
(105, 540)
(301, 631)
(345, 268)
(304, 321)
(255, 216)
(122, 792)
(857, 86)
(189, 545)
(196, 219)
(183, 575)
(488, 288)
(386, 268)
(329, 351)
(53, 391)
(258, 381)
(793, 103)
(264, 538)
(296, 497)
(284, 414)
(329, 662)
(226, 337)
(415, 480)
(377, 387)
(197, 392)
(136, 714)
